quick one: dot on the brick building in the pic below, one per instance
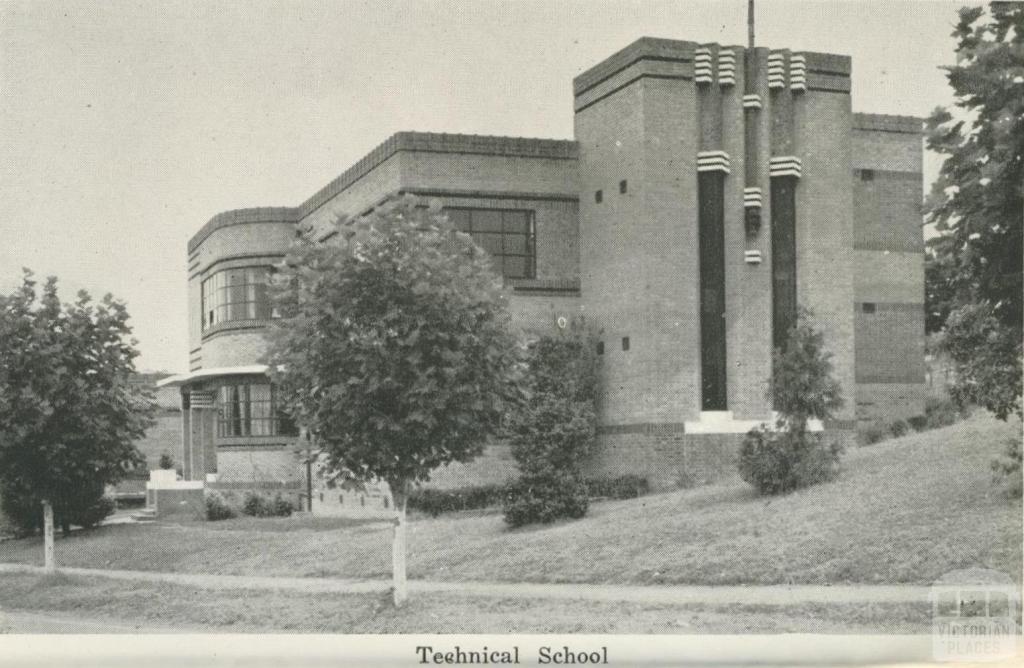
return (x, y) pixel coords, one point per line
(709, 191)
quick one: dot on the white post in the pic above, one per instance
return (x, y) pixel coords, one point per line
(48, 563)
(401, 590)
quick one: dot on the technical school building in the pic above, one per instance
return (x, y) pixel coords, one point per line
(709, 191)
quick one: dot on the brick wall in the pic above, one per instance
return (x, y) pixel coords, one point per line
(886, 402)
(889, 267)
(638, 250)
(825, 228)
(234, 348)
(890, 343)
(495, 466)
(664, 455)
(887, 211)
(258, 464)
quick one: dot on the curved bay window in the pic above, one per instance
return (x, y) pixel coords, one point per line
(251, 409)
(236, 294)
(506, 234)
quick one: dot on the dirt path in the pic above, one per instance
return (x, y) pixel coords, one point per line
(668, 594)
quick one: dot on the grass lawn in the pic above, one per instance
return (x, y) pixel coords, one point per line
(904, 511)
(190, 609)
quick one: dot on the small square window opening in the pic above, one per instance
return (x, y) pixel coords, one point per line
(598, 196)
(623, 186)
(625, 343)
(867, 307)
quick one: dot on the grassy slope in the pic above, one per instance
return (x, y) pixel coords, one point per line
(193, 609)
(904, 511)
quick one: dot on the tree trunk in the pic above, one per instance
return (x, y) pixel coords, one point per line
(48, 562)
(399, 494)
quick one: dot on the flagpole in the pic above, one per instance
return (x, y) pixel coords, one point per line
(750, 24)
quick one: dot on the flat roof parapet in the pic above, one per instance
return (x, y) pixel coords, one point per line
(268, 214)
(655, 48)
(645, 47)
(438, 142)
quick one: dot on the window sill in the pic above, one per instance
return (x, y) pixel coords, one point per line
(528, 285)
(255, 441)
(234, 325)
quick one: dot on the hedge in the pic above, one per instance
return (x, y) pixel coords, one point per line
(434, 502)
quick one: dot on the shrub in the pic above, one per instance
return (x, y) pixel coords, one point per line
(1007, 468)
(281, 507)
(778, 460)
(775, 462)
(942, 412)
(91, 514)
(23, 514)
(217, 508)
(437, 501)
(534, 500)
(257, 505)
(622, 487)
(85, 507)
(552, 431)
(874, 433)
(166, 462)
(918, 422)
(899, 428)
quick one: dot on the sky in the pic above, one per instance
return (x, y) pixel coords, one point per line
(125, 126)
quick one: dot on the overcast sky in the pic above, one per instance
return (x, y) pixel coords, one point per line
(124, 126)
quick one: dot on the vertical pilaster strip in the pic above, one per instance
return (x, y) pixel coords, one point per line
(753, 198)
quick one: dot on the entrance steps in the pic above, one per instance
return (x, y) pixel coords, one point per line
(144, 516)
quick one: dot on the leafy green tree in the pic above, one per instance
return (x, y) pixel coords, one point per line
(68, 414)
(787, 456)
(394, 348)
(976, 205)
(552, 432)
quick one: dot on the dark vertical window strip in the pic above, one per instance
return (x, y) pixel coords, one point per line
(784, 304)
(711, 227)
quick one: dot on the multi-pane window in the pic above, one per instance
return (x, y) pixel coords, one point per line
(236, 294)
(249, 409)
(507, 236)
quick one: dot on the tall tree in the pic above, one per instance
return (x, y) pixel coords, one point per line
(68, 415)
(977, 207)
(394, 349)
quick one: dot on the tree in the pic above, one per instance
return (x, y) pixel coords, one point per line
(977, 208)
(552, 432)
(68, 414)
(780, 459)
(393, 348)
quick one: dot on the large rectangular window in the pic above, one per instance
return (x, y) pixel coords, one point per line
(507, 235)
(251, 409)
(711, 229)
(236, 294)
(784, 304)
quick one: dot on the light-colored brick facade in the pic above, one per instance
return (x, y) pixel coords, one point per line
(616, 239)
